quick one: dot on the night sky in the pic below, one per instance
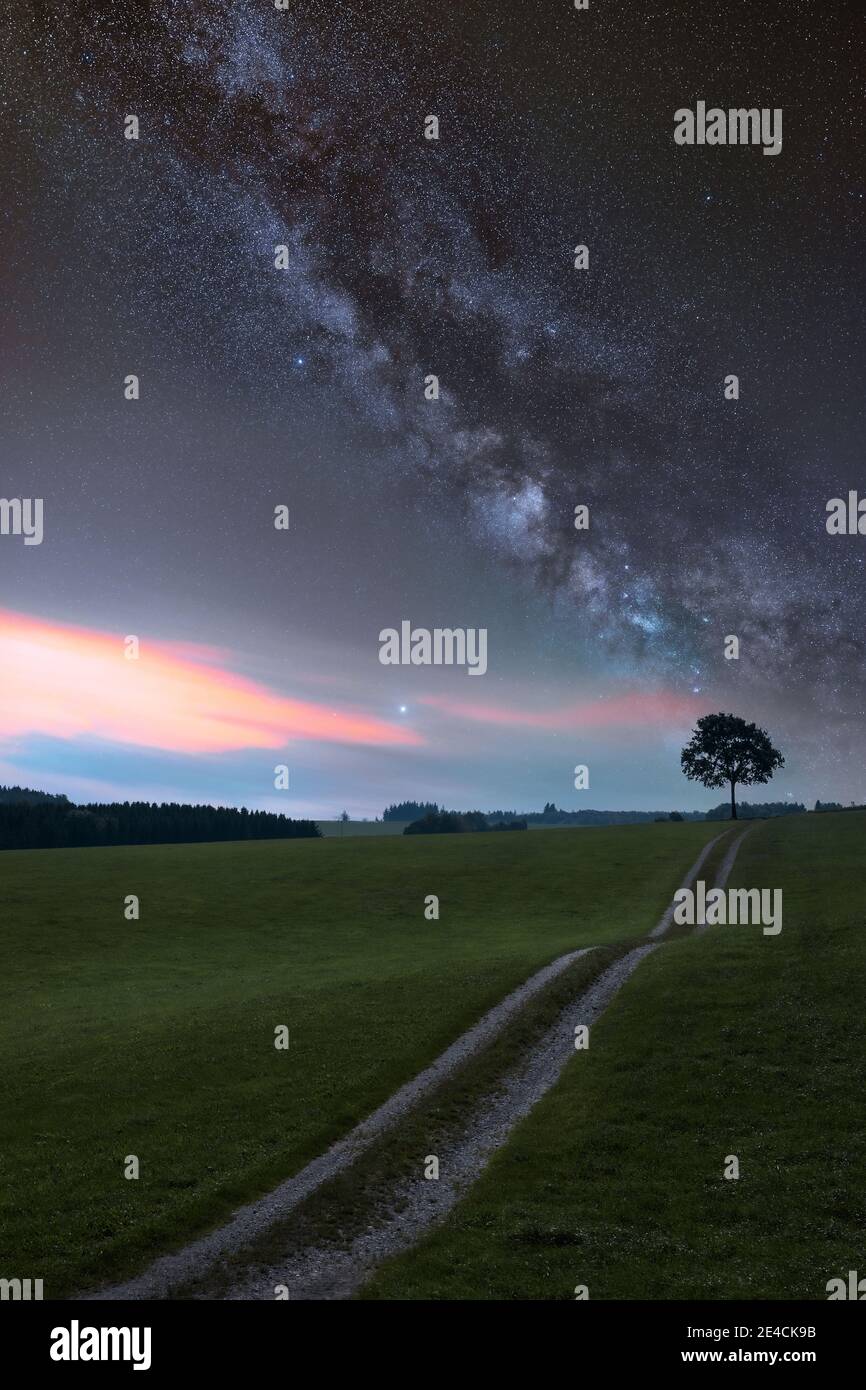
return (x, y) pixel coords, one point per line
(305, 387)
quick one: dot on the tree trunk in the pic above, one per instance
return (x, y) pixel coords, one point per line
(733, 803)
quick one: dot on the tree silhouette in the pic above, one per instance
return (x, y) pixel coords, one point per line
(54, 822)
(724, 748)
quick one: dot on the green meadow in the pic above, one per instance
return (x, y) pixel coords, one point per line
(726, 1043)
(155, 1037)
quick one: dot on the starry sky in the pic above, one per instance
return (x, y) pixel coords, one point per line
(304, 387)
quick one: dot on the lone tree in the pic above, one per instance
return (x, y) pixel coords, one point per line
(724, 748)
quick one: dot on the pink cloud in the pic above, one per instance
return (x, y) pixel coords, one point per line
(634, 710)
(72, 682)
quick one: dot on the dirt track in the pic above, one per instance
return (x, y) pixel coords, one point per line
(397, 1218)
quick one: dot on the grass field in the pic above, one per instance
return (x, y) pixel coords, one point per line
(155, 1037)
(725, 1043)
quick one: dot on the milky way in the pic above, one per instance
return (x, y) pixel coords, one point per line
(455, 257)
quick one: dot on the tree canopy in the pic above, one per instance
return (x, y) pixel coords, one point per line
(725, 749)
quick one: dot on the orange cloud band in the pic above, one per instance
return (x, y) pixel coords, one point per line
(69, 682)
(620, 711)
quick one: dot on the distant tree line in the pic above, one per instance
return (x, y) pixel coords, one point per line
(410, 810)
(440, 821)
(756, 810)
(551, 815)
(54, 823)
(14, 794)
(457, 822)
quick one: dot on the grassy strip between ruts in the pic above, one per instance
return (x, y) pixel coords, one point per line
(724, 1043)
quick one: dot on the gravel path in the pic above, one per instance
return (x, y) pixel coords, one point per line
(250, 1221)
(668, 916)
(328, 1272)
(726, 865)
